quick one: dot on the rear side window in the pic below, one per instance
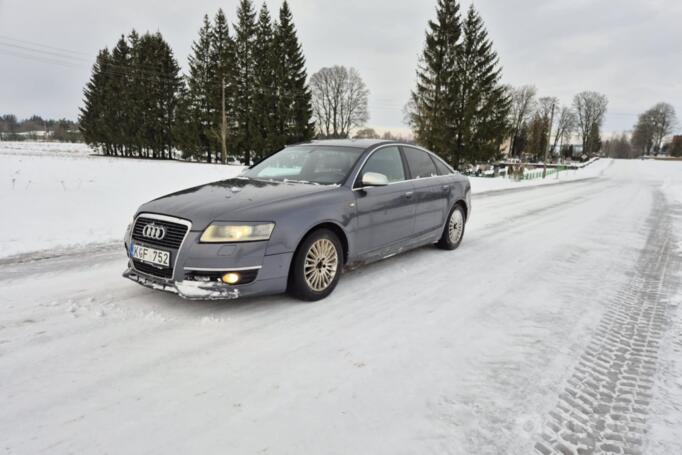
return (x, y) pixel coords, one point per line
(442, 168)
(420, 163)
(385, 161)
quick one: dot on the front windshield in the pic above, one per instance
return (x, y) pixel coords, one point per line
(307, 164)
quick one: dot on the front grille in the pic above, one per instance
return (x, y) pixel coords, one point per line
(151, 270)
(175, 233)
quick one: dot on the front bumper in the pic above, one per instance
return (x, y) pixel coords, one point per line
(213, 290)
(190, 290)
(193, 258)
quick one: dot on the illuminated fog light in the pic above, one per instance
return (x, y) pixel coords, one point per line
(231, 278)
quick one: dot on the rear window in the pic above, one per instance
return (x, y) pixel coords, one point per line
(420, 163)
(443, 169)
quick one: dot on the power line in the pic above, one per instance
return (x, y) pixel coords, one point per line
(59, 58)
(41, 51)
(39, 59)
(143, 71)
(33, 43)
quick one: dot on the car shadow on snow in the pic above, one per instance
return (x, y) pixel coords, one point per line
(355, 284)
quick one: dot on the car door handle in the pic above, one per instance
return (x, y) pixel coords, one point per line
(446, 187)
(409, 194)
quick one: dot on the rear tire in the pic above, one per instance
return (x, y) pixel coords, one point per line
(316, 267)
(453, 233)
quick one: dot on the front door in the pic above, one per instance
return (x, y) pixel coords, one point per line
(385, 214)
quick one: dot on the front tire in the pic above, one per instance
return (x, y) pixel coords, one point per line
(317, 265)
(453, 233)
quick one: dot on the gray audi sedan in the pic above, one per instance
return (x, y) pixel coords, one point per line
(295, 220)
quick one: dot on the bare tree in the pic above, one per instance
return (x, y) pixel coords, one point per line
(521, 111)
(590, 108)
(339, 101)
(663, 121)
(545, 105)
(643, 135)
(547, 108)
(566, 125)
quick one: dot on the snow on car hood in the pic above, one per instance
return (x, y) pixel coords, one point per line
(238, 199)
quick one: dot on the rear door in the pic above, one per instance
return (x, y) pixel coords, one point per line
(431, 192)
(385, 214)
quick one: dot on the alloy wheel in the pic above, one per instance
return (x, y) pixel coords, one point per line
(456, 226)
(321, 265)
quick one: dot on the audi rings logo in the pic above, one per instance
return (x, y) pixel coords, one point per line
(152, 231)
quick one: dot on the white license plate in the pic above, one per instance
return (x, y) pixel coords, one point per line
(151, 255)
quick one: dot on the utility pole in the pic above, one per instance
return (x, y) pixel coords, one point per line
(223, 126)
(549, 141)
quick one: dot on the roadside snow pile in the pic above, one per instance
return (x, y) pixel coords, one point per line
(70, 198)
(595, 169)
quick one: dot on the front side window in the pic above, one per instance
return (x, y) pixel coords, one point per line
(308, 164)
(386, 161)
(420, 163)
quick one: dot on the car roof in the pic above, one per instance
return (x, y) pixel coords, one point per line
(355, 143)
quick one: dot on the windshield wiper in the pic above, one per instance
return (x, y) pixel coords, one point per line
(305, 182)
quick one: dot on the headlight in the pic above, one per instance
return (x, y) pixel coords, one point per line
(230, 233)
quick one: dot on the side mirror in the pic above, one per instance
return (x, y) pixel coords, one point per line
(374, 179)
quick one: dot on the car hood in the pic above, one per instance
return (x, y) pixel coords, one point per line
(228, 200)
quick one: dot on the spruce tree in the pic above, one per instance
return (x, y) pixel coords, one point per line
(265, 101)
(459, 108)
(170, 83)
(222, 84)
(244, 43)
(120, 83)
(134, 93)
(432, 101)
(158, 77)
(480, 101)
(294, 100)
(198, 114)
(96, 95)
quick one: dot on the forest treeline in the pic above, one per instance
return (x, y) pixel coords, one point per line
(245, 94)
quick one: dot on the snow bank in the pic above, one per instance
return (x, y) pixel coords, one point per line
(56, 196)
(594, 169)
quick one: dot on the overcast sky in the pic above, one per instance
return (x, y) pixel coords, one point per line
(628, 49)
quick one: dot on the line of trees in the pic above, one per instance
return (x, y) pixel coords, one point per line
(36, 127)
(649, 136)
(540, 127)
(459, 108)
(245, 94)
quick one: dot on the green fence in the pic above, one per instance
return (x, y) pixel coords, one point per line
(537, 174)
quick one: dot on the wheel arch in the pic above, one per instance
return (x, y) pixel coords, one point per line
(335, 228)
(462, 203)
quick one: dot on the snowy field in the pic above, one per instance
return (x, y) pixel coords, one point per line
(59, 196)
(555, 328)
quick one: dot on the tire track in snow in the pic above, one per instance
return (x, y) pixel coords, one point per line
(605, 403)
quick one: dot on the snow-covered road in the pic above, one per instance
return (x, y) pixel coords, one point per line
(554, 327)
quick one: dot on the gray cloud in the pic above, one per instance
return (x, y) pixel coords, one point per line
(626, 49)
